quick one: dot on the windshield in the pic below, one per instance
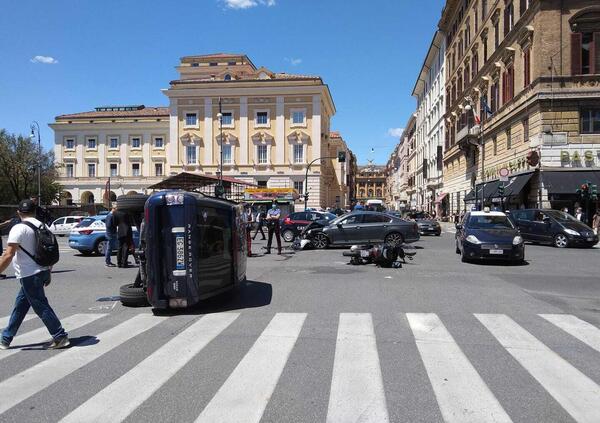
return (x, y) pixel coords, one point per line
(328, 216)
(561, 216)
(490, 222)
(85, 223)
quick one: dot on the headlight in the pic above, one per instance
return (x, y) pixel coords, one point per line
(517, 240)
(572, 232)
(473, 239)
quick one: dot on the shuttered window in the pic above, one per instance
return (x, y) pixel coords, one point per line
(526, 67)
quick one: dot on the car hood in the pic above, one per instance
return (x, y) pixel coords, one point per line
(577, 226)
(494, 235)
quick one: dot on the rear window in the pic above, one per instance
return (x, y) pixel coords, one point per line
(85, 223)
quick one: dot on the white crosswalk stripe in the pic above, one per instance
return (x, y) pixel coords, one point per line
(33, 380)
(40, 335)
(4, 320)
(245, 394)
(118, 400)
(357, 392)
(461, 393)
(580, 329)
(574, 391)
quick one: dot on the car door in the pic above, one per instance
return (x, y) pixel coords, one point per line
(69, 223)
(58, 225)
(523, 220)
(540, 227)
(345, 231)
(374, 228)
(299, 221)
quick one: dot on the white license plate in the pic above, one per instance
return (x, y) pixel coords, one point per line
(590, 239)
(180, 252)
(496, 251)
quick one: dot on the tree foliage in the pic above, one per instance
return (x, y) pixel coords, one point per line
(19, 161)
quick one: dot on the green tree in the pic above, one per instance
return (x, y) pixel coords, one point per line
(19, 160)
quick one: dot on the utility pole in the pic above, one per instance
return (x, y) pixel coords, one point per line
(35, 126)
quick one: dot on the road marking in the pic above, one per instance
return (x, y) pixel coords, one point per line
(357, 392)
(118, 400)
(70, 323)
(574, 391)
(580, 329)
(4, 320)
(461, 393)
(33, 380)
(245, 394)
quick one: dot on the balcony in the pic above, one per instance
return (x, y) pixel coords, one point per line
(468, 137)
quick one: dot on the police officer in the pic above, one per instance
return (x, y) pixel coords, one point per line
(273, 216)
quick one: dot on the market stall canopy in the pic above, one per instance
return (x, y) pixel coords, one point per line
(234, 188)
(568, 182)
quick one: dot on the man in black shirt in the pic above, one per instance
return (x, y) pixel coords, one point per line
(123, 221)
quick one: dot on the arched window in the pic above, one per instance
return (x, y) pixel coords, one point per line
(585, 41)
(370, 193)
(227, 77)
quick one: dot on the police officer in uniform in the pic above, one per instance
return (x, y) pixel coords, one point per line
(273, 216)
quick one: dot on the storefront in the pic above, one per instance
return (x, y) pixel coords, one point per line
(502, 195)
(561, 185)
(264, 197)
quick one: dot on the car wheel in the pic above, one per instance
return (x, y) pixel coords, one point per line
(394, 239)
(132, 296)
(100, 247)
(133, 203)
(561, 241)
(438, 234)
(320, 241)
(288, 235)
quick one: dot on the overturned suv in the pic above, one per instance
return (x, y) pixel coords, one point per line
(192, 247)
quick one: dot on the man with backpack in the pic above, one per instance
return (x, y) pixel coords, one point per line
(33, 250)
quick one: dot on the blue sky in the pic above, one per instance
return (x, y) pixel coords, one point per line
(105, 52)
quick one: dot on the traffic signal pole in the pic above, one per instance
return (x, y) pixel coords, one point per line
(341, 159)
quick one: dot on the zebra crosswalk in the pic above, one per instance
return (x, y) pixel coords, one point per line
(358, 390)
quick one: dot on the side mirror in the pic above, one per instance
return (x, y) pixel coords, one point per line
(459, 226)
(546, 220)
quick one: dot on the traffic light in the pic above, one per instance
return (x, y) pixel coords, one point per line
(594, 191)
(501, 190)
(306, 196)
(341, 156)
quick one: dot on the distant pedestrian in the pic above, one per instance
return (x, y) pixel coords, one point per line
(260, 223)
(111, 236)
(22, 250)
(579, 214)
(249, 220)
(596, 222)
(273, 216)
(124, 234)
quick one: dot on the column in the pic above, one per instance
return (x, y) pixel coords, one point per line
(101, 170)
(146, 154)
(207, 158)
(316, 127)
(244, 146)
(173, 141)
(280, 132)
(81, 169)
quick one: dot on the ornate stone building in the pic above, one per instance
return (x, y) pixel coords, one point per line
(371, 182)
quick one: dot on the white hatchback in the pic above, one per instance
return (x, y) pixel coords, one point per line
(63, 225)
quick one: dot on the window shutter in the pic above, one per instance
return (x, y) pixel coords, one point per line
(576, 53)
(595, 53)
(440, 158)
(425, 169)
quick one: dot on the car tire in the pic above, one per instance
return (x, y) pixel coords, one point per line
(132, 296)
(438, 234)
(288, 235)
(320, 241)
(133, 203)
(100, 247)
(560, 241)
(393, 239)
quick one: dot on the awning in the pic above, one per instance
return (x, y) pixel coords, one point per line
(488, 188)
(515, 184)
(512, 188)
(568, 182)
(440, 198)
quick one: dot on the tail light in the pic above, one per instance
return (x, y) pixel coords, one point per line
(287, 221)
(86, 232)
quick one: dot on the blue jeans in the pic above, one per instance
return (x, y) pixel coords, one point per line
(32, 294)
(111, 243)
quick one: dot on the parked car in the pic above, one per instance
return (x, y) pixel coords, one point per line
(89, 236)
(292, 225)
(362, 227)
(63, 225)
(489, 235)
(553, 227)
(429, 227)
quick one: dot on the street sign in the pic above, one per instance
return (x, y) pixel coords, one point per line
(503, 173)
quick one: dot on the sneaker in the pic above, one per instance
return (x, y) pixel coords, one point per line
(4, 345)
(110, 265)
(57, 344)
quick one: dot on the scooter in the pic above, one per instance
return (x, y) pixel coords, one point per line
(381, 255)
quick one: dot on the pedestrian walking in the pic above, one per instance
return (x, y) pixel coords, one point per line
(249, 219)
(124, 234)
(596, 222)
(111, 236)
(579, 214)
(28, 247)
(3, 226)
(260, 223)
(273, 217)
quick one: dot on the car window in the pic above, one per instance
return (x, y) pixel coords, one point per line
(490, 222)
(561, 216)
(86, 222)
(298, 216)
(538, 216)
(70, 220)
(59, 221)
(522, 214)
(352, 220)
(375, 218)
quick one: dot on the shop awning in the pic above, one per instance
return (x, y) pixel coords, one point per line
(512, 188)
(488, 188)
(515, 184)
(440, 198)
(568, 182)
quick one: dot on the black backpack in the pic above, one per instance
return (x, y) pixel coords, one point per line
(46, 246)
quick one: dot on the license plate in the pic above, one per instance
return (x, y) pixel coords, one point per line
(590, 239)
(180, 252)
(496, 251)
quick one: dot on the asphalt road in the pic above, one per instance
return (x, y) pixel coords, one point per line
(313, 339)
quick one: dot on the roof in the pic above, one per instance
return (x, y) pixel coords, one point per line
(335, 134)
(245, 77)
(114, 112)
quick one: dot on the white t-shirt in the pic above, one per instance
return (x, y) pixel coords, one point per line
(25, 237)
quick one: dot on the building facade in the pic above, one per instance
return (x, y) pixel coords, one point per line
(523, 91)
(263, 127)
(371, 182)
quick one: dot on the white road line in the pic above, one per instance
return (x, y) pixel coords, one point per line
(357, 393)
(40, 335)
(580, 329)
(245, 394)
(461, 393)
(4, 320)
(574, 391)
(33, 380)
(118, 400)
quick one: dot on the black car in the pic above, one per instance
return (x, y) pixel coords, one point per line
(553, 227)
(429, 227)
(489, 235)
(293, 225)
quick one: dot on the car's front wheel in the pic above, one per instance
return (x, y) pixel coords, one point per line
(288, 235)
(561, 241)
(394, 239)
(320, 241)
(101, 247)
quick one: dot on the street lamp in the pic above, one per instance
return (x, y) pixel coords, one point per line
(220, 190)
(34, 126)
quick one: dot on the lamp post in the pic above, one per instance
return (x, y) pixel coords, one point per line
(34, 126)
(220, 189)
(469, 108)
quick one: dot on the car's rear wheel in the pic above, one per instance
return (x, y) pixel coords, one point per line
(561, 241)
(394, 239)
(320, 241)
(288, 235)
(132, 296)
(100, 247)
(133, 203)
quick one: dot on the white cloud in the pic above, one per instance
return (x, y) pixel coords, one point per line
(293, 61)
(395, 132)
(46, 60)
(246, 4)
